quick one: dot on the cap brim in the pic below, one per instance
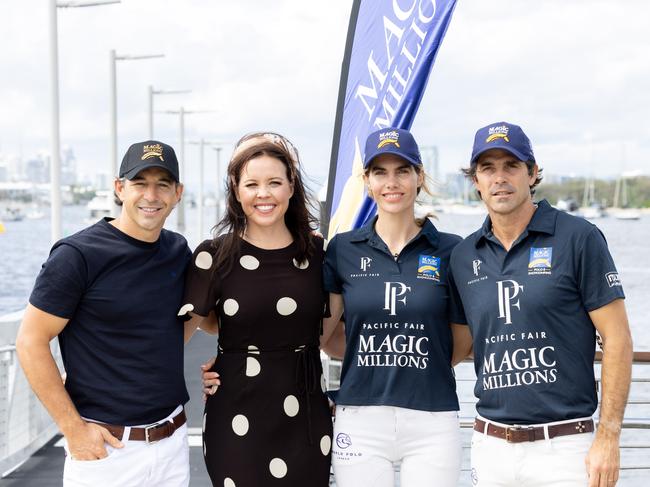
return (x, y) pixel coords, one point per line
(506, 148)
(136, 170)
(401, 155)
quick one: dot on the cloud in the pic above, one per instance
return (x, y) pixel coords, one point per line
(574, 74)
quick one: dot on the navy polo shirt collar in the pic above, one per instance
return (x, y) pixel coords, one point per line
(368, 234)
(543, 221)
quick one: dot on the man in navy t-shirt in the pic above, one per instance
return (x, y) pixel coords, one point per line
(536, 284)
(110, 294)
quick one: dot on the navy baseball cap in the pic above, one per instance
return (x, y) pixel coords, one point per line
(151, 153)
(503, 135)
(392, 141)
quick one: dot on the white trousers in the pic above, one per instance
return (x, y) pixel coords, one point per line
(137, 464)
(371, 441)
(556, 462)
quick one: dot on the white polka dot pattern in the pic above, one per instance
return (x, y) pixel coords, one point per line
(228, 482)
(291, 405)
(240, 425)
(204, 416)
(301, 265)
(249, 262)
(230, 307)
(203, 260)
(278, 468)
(186, 308)
(323, 383)
(286, 306)
(253, 367)
(325, 444)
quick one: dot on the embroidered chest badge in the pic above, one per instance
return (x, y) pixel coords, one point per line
(429, 268)
(540, 261)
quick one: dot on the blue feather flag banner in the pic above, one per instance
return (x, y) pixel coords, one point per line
(389, 53)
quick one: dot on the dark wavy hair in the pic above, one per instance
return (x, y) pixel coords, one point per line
(299, 217)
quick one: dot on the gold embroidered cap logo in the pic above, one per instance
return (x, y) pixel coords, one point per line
(153, 150)
(391, 137)
(498, 132)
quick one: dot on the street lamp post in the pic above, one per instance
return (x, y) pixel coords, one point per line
(219, 182)
(202, 143)
(55, 136)
(180, 218)
(113, 58)
(151, 92)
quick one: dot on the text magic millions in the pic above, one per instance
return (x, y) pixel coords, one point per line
(393, 351)
(520, 367)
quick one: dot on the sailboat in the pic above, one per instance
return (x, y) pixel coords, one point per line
(623, 212)
(590, 209)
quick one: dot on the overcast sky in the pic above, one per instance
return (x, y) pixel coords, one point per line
(574, 73)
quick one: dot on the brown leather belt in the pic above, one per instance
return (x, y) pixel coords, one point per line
(520, 434)
(150, 434)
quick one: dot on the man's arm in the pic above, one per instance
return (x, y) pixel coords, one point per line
(85, 440)
(603, 459)
(462, 343)
(332, 341)
(209, 324)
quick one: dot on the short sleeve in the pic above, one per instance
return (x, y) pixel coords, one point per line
(331, 281)
(61, 283)
(456, 311)
(202, 289)
(598, 279)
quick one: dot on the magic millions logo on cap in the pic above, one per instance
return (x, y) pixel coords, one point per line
(498, 132)
(429, 268)
(390, 137)
(540, 261)
(152, 150)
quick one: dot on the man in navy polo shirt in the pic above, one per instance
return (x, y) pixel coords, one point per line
(536, 285)
(110, 293)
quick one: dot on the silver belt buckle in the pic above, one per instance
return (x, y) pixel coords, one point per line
(146, 434)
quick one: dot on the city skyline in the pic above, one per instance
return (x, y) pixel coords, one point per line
(572, 74)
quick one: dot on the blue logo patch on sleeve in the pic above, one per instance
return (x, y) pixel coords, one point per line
(429, 267)
(540, 260)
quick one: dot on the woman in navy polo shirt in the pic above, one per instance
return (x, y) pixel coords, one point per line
(397, 402)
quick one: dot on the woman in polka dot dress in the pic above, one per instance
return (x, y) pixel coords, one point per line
(259, 284)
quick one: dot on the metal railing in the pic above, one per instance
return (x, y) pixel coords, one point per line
(635, 439)
(25, 425)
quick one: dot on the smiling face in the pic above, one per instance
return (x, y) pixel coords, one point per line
(147, 200)
(264, 191)
(504, 182)
(393, 183)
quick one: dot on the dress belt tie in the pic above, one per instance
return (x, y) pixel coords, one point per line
(307, 376)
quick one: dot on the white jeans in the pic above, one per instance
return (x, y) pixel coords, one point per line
(138, 464)
(556, 462)
(370, 441)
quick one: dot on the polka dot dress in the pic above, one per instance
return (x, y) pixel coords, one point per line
(268, 423)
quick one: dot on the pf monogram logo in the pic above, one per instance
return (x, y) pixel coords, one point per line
(394, 290)
(507, 292)
(476, 266)
(365, 263)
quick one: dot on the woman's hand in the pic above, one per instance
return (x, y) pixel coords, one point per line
(210, 379)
